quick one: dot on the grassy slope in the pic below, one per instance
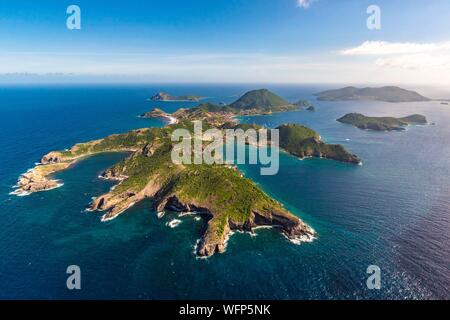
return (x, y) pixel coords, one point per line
(262, 99)
(127, 141)
(304, 142)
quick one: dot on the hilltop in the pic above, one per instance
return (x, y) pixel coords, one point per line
(262, 100)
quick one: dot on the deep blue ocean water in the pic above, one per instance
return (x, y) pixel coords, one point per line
(394, 211)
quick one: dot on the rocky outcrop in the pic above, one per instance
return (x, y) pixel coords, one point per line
(52, 157)
(291, 226)
(210, 243)
(213, 241)
(38, 178)
(218, 226)
(34, 181)
(328, 151)
(150, 148)
(116, 203)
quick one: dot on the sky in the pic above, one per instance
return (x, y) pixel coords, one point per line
(226, 41)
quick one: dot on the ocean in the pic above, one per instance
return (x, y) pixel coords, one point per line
(393, 212)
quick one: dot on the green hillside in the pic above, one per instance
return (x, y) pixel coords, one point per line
(262, 99)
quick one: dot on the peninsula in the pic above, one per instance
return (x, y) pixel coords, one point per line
(382, 123)
(158, 113)
(387, 94)
(220, 194)
(303, 142)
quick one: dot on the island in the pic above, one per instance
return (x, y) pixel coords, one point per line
(218, 193)
(162, 96)
(387, 94)
(382, 123)
(261, 101)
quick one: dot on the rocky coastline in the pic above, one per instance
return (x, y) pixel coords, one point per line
(219, 194)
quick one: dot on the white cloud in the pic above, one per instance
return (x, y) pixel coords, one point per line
(405, 55)
(389, 48)
(416, 61)
(304, 3)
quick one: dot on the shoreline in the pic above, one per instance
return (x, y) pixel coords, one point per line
(169, 119)
(172, 120)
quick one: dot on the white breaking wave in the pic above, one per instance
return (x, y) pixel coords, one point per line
(22, 193)
(174, 223)
(160, 214)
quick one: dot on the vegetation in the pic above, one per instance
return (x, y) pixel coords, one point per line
(223, 189)
(117, 142)
(219, 191)
(243, 126)
(252, 103)
(155, 113)
(292, 134)
(162, 96)
(388, 94)
(303, 103)
(304, 142)
(140, 169)
(381, 123)
(263, 100)
(210, 107)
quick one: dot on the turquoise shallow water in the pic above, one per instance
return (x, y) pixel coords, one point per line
(393, 212)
